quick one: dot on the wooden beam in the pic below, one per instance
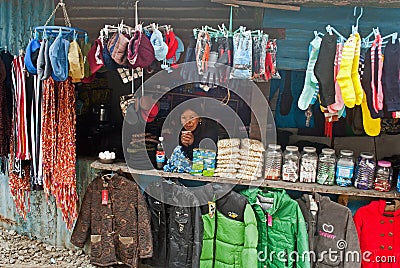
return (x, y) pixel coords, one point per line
(371, 3)
(257, 4)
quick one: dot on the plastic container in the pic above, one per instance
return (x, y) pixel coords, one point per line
(308, 166)
(290, 168)
(383, 177)
(273, 162)
(345, 168)
(365, 170)
(326, 167)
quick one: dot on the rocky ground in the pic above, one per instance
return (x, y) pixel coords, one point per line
(20, 251)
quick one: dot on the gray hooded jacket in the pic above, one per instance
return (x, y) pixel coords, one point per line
(332, 234)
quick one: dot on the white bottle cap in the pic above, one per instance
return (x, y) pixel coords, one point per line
(161, 138)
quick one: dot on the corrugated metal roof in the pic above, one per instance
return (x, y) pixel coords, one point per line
(293, 50)
(15, 32)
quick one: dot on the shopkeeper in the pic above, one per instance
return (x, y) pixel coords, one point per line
(196, 132)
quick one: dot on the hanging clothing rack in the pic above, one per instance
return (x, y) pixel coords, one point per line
(66, 31)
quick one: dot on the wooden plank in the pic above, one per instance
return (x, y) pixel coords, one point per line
(376, 3)
(257, 4)
(298, 186)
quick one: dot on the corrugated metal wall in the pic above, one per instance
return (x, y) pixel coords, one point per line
(182, 15)
(299, 27)
(15, 33)
(44, 221)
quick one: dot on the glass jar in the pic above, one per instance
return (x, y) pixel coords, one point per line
(345, 168)
(326, 167)
(308, 166)
(273, 162)
(290, 168)
(383, 177)
(365, 169)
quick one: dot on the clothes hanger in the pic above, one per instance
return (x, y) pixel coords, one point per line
(355, 27)
(330, 30)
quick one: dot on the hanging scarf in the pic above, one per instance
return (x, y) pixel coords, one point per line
(64, 180)
(18, 179)
(49, 134)
(21, 126)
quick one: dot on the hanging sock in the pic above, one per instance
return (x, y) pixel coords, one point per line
(324, 69)
(344, 77)
(339, 103)
(310, 83)
(377, 66)
(367, 83)
(355, 76)
(390, 76)
(371, 126)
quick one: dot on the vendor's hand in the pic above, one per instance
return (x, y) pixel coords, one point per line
(187, 138)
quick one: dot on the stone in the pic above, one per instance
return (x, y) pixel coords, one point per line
(21, 258)
(12, 232)
(49, 248)
(12, 261)
(52, 261)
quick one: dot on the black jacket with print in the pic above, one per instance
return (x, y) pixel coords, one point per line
(176, 225)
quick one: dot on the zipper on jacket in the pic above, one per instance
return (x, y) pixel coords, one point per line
(215, 238)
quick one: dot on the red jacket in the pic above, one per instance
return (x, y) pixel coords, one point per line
(379, 235)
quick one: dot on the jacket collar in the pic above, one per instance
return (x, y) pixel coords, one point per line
(279, 196)
(382, 206)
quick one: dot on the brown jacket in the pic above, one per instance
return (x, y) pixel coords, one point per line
(119, 231)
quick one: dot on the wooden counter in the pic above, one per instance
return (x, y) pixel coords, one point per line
(298, 186)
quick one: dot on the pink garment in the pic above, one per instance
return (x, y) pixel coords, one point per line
(339, 103)
(377, 93)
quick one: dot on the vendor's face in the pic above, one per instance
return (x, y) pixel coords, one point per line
(190, 120)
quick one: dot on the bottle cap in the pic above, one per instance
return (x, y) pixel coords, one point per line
(383, 163)
(328, 151)
(161, 138)
(309, 149)
(346, 152)
(367, 155)
(292, 148)
(274, 146)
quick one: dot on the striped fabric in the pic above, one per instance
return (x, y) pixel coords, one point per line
(19, 87)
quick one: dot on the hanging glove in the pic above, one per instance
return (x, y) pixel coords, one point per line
(211, 75)
(202, 51)
(225, 58)
(242, 58)
(188, 72)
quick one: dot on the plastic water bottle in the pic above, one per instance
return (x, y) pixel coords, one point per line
(160, 154)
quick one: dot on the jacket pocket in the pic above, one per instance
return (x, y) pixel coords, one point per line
(328, 261)
(95, 246)
(126, 247)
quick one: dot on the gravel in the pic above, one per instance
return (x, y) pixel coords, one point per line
(20, 251)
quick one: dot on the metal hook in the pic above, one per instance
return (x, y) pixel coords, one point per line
(359, 17)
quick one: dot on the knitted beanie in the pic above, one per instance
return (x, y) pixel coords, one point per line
(390, 76)
(324, 70)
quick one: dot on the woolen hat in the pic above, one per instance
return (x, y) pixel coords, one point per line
(59, 58)
(172, 44)
(95, 56)
(160, 47)
(41, 61)
(119, 51)
(31, 55)
(48, 70)
(75, 59)
(178, 52)
(140, 50)
(85, 48)
(107, 59)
